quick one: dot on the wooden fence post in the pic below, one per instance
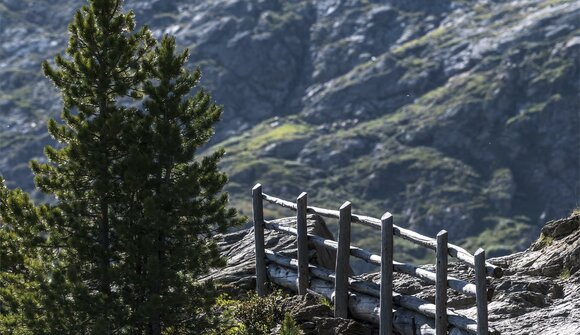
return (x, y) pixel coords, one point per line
(481, 292)
(342, 262)
(258, 209)
(302, 241)
(441, 284)
(386, 292)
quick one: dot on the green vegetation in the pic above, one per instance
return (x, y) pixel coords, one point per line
(269, 134)
(565, 274)
(251, 315)
(546, 240)
(324, 301)
(436, 35)
(502, 236)
(289, 326)
(133, 227)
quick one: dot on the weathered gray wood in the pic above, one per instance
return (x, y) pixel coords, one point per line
(480, 284)
(409, 235)
(258, 211)
(458, 285)
(364, 306)
(386, 298)
(302, 242)
(441, 284)
(342, 262)
(361, 286)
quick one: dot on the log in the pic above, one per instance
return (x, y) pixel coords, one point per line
(409, 235)
(386, 294)
(457, 285)
(365, 308)
(342, 263)
(441, 284)
(369, 289)
(302, 243)
(258, 213)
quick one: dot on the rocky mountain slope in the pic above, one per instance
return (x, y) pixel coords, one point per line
(539, 292)
(460, 115)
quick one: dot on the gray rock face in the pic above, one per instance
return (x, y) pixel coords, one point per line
(457, 115)
(239, 250)
(538, 294)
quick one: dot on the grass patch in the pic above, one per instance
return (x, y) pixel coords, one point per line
(267, 134)
(565, 274)
(433, 36)
(506, 235)
(545, 240)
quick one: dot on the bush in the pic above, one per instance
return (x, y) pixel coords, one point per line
(289, 326)
(252, 315)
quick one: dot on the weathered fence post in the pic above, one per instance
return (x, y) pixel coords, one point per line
(258, 209)
(481, 292)
(342, 262)
(386, 293)
(302, 241)
(441, 284)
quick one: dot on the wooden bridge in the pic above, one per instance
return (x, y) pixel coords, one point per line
(364, 298)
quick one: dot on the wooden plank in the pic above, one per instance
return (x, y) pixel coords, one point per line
(457, 285)
(441, 284)
(386, 297)
(480, 284)
(285, 275)
(258, 211)
(342, 263)
(409, 235)
(302, 242)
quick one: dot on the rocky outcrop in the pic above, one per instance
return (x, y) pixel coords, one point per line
(239, 250)
(538, 294)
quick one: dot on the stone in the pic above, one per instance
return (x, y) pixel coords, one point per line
(524, 302)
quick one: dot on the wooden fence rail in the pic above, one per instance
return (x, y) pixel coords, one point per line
(308, 276)
(409, 235)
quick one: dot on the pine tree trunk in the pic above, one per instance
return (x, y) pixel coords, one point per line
(104, 241)
(156, 283)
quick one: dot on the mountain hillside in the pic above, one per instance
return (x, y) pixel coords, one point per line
(458, 115)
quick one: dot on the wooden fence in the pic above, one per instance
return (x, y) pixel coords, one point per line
(302, 279)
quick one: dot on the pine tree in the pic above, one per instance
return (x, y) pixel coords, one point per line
(181, 201)
(136, 208)
(20, 260)
(104, 69)
(33, 296)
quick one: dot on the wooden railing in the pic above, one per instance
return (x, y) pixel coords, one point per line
(443, 318)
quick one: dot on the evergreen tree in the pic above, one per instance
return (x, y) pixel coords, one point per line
(103, 67)
(136, 208)
(180, 200)
(33, 297)
(20, 262)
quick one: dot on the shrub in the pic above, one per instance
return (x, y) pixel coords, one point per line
(289, 326)
(252, 315)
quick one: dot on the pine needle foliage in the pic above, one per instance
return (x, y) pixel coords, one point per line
(137, 205)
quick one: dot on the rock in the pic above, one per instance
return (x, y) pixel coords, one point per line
(526, 301)
(560, 228)
(332, 326)
(417, 104)
(285, 149)
(239, 250)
